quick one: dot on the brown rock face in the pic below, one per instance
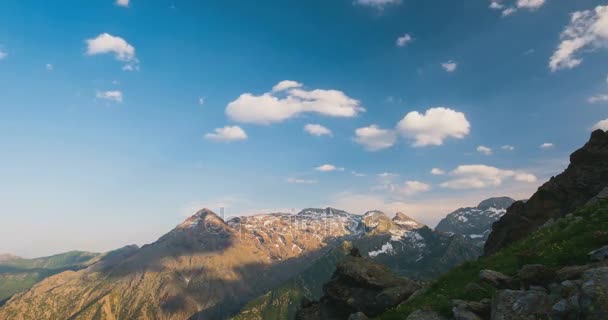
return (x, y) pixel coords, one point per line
(585, 177)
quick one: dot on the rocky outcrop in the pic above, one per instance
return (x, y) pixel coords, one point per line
(584, 178)
(359, 285)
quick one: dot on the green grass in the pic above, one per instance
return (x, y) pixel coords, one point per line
(566, 242)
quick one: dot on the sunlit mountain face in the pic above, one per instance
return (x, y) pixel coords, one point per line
(180, 159)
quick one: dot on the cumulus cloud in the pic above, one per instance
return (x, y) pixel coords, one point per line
(3, 54)
(480, 176)
(378, 4)
(434, 126)
(547, 145)
(598, 98)
(112, 95)
(530, 4)
(122, 50)
(122, 3)
(449, 66)
(508, 11)
(328, 168)
(603, 125)
(508, 147)
(301, 181)
(484, 150)
(495, 5)
(289, 100)
(317, 130)
(437, 172)
(587, 31)
(387, 175)
(286, 84)
(412, 187)
(227, 134)
(373, 138)
(404, 40)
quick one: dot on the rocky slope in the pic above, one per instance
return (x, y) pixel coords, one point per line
(585, 177)
(18, 274)
(475, 222)
(558, 272)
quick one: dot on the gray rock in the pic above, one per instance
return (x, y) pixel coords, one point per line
(424, 315)
(571, 272)
(599, 254)
(464, 314)
(495, 278)
(520, 305)
(566, 309)
(594, 300)
(358, 316)
(536, 274)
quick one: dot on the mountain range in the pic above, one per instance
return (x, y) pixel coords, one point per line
(208, 268)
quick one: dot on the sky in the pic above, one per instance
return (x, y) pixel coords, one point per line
(118, 119)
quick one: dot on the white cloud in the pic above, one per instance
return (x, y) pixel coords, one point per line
(227, 134)
(387, 175)
(201, 101)
(270, 108)
(404, 40)
(301, 181)
(358, 174)
(49, 67)
(530, 4)
(373, 138)
(598, 98)
(495, 5)
(328, 168)
(482, 176)
(378, 4)
(434, 126)
(122, 50)
(412, 187)
(587, 30)
(508, 11)
(122, 3)
(547, 145)
(449, 66)
(112, 95)
(437, 171)
(286, 84)
(601, 125)
(317, 130)
(508, 147)
(3, 54)
(484, 150)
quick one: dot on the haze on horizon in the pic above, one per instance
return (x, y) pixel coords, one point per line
(120, 118)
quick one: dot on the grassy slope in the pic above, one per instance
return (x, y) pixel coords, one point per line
(566, 242)
(20, 274)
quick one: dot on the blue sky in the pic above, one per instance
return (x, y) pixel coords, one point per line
(106, 141)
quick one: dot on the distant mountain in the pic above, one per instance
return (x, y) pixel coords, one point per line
(584, 178)
(475, 222)
(406, 246)
(18, 274)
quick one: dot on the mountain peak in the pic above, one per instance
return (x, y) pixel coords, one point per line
(205, 215)
(404, 220)
(495, 202)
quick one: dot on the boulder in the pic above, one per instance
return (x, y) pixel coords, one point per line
(520, 305)
(495, 279)
(536, 274)
(358, 316)
(599, 254)
(594, 299)
(424, 315)
(481, 309)
(360, 284)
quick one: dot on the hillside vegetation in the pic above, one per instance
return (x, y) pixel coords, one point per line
(561, 243)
